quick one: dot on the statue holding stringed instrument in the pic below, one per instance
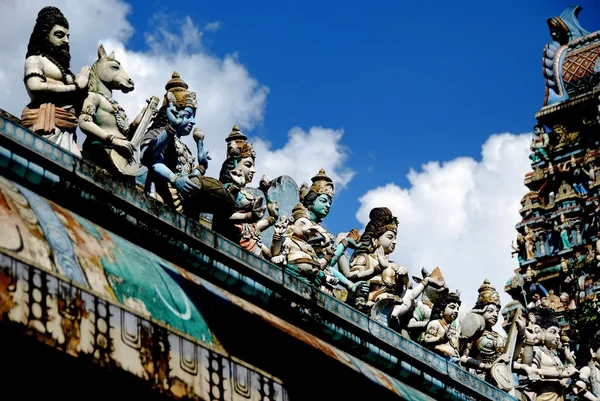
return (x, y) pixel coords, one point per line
(112, 142)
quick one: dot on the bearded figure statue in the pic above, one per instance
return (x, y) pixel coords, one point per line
(55, 93)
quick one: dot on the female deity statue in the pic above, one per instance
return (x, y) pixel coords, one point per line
(246, 223)
(481, 346)
(552, 376)
(588, 385)
(441, 335)
(387, 280)
(563, 229)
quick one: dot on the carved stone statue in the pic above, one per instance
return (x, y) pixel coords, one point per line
(102, 119)
(441, 334)
(180, 182)
(588, 385)
(55, 92)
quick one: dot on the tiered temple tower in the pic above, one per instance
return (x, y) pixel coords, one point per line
(557, 241)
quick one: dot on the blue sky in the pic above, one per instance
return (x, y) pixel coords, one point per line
(409, 82)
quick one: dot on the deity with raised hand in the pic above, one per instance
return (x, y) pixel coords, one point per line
(55, 92)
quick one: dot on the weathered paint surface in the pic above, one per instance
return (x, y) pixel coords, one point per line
(43, 234)
(70, 318)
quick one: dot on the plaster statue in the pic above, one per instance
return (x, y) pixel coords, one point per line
(104, 121)
(317, 200)
(178, 180)
(551, 374)
(55, 92)
(246, 224)
(588, 385)
(291, 249)
(482, 348)
(441, 334)
(389, 287)
(563, 229)
(539, 145)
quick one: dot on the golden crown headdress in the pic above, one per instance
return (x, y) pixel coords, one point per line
(177, 89)
(237, 146)
(322, 184)
(488, 294)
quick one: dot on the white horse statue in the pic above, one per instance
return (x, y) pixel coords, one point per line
(110, 136)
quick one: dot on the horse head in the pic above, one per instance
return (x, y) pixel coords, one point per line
(107, 71)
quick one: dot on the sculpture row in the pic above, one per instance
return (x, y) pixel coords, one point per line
(425, 311)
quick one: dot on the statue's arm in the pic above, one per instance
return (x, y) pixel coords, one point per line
(35, 78)
(87, 117)
(163, 171)
(152, 147)
(432, 333)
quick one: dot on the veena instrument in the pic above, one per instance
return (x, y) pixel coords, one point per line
(133, 167)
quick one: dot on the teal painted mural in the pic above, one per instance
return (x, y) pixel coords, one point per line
(44, 234)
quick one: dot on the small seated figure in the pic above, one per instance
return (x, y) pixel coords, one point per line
(588, 385)
(55, 92)
(291, 249)
(441, 335)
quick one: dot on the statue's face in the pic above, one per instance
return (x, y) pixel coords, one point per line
(387, 241)
(596, 355)
(247, 166)
(552, 337)
(536, 330)
(451, 312)
(321, 206)
(187, 113)
(538, 130)
(490, 315)
(302, 226)
(59, 37)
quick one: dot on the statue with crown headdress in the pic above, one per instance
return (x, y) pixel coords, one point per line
(484, 351)
(317, 199)
(391, 299)
(247, 222)
(174, 176)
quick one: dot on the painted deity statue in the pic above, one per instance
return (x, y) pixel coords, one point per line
(440, 334)
(552, 374)
(423, 308)
(102, 119)
(246, 224)
(55, 92)
(539, 145)
(588, 385)
(563, 229)
(388, 281)
(178, 180)
(481, 346)
(317, 200)
(291, 249)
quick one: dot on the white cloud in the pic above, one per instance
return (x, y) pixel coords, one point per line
(305, 154)
(212, 26)
(227, 93)
(460, 215)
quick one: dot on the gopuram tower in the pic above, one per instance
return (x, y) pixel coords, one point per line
(558, 241)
